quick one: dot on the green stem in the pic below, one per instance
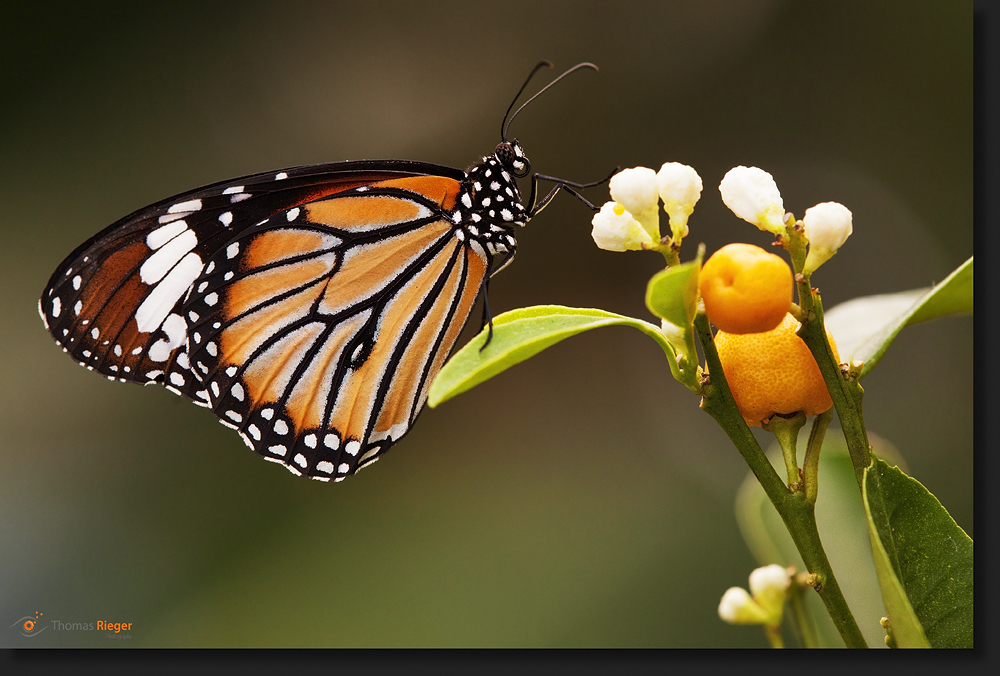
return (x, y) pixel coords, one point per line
(773, 633)
(810, 464)
(670, 255)
(846, 392)
(786, 431)
(797, 513)
(806, 629)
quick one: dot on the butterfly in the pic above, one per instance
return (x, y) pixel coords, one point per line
(308, 308)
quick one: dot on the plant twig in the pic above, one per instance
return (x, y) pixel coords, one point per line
(795, 510)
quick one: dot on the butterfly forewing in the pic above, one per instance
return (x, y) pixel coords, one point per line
(308, 308)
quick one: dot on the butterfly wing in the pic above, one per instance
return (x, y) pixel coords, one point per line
(309, 309)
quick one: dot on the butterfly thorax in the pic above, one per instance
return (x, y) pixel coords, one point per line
(489, 204)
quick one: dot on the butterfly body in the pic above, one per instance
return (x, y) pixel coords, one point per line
(309, 308)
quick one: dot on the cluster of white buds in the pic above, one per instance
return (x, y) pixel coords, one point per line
(765, 602)
(632, 222)
(752, 194)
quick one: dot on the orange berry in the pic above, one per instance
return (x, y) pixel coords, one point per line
(745, 289)
(773, 372)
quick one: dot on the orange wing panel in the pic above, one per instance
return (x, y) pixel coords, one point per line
(476, 273)
(260, 287)
(270, 374)
(275, 245)
(358, 214)
(357, 394)
(242, 338)
(396, 406)
(307, 403)
(366, 271)
(439, 189)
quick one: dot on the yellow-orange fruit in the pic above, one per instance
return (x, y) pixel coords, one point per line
(773, 372)
(745, 289)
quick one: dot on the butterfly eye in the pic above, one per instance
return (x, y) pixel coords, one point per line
(505, 153)
(513, 158)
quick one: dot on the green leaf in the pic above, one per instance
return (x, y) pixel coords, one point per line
(520, 334)
(672, 295)
(864, 328)
(923, 560)
(841, 520)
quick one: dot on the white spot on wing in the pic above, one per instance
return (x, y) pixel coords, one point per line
(164, 234)
(325, 467)
(281, 427)
(56, 306)
(166, 257)
(292, 214)
(232, 250)
(176, 329)
(234, 189)
(281, 176)
(190, 205)
(165, 295)
(226, 218)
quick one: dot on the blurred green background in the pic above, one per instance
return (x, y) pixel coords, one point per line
(580, 499)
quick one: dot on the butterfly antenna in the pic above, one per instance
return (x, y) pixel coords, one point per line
(506, 125)
(538, 67)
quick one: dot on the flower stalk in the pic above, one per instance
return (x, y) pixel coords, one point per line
(796, 511)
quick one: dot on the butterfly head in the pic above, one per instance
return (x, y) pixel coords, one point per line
(511, 156)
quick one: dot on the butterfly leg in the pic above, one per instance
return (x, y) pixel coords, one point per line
(487, 315)
(568, 186)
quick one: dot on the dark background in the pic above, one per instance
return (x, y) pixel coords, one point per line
(580, 499)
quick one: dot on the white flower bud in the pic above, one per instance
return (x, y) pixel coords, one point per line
(636, 190)
(680, 189)
(752, 194)
(768, 586)
(737, 607)
(827, 227)
(616, 230)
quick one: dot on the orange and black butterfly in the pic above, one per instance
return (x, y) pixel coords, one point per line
(309, 308)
